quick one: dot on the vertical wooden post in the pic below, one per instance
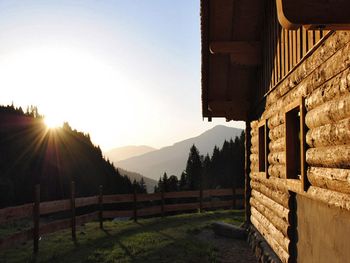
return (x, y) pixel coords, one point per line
(135, 205)
(36, 219)
(233, 197)
(100, 206)
(162, 201)
(247, 189)
(72, 205)
(200, 194)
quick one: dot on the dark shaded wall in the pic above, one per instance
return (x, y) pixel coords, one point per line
(323, 232)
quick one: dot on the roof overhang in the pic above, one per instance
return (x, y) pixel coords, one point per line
(231, 54)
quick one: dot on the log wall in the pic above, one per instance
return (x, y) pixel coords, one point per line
(323, 79)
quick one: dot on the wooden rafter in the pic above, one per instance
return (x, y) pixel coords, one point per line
(241, 52)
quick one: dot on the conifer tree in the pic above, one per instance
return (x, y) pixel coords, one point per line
(193, 168)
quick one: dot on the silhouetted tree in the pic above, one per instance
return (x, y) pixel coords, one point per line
(193, 168)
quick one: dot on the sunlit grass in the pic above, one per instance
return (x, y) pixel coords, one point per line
(171, 239)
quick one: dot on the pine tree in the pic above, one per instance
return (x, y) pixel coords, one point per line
(193, 168)
(183, 182)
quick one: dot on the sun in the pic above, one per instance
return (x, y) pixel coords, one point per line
(52, 122)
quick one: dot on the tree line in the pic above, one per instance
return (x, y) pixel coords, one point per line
(223, 169)
(31, 154)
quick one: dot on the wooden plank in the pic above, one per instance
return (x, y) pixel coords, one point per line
(182, 194)
(286, 46)
(122, 198)
(304, 41)
(295, 47)
(86, 201)
(55, 226)
(283, 53)
(299, 44)
(122, 213)
(16, 239)
(234, 47)
(290, 44)
(317, 35)
(217, 192)
(154, 210)
(217, 204)
(181, 207)
(310, 39)
(148, 197)
(54, 206)
(80, 220)
(16, 212)
(279, 66)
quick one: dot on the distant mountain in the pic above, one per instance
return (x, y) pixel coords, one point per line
(150, 183)
(118, 154)
(172, 159)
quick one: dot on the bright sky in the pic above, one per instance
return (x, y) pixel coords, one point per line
(125, 71)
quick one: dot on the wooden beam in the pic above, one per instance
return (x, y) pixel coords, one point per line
(241, 52)
(313, 14)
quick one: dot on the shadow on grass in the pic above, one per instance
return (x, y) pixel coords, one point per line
(125, 241)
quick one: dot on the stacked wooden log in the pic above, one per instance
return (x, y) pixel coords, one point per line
(323, 79)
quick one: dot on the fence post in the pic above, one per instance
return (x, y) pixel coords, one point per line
(135, 205)
(72, 205)
(200, 194)
(233, 197)
(36, 218)
(162, 203)
(100, 206)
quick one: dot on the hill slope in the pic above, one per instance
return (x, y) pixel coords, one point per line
(172, 159)
(31, 154)
(150, 183)
(126, 152)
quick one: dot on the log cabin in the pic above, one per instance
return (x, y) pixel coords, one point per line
(283, 67)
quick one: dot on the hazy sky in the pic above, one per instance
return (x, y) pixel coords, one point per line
(125, 71)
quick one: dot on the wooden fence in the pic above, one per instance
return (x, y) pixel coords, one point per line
(36, 209)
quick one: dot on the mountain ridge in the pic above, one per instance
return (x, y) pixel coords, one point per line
(126, 152)
(172, 159)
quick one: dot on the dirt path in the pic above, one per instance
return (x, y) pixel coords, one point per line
(229, 249)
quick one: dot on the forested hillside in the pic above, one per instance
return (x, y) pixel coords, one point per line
(223, 169)
(30, 154)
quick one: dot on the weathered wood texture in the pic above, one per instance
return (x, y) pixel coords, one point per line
(16, 238)
(17, 212)
(330, 178)
(273, 231)
(329, 112)
(277, 248)
(330, 134)
(279, 197)
(277, 170)
(278, 209)
(279, 223)
(323, 79)
(332, 156)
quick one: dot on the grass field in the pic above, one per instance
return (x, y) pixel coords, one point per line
(169, 239)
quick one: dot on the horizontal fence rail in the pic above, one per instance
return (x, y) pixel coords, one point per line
(138, 205)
